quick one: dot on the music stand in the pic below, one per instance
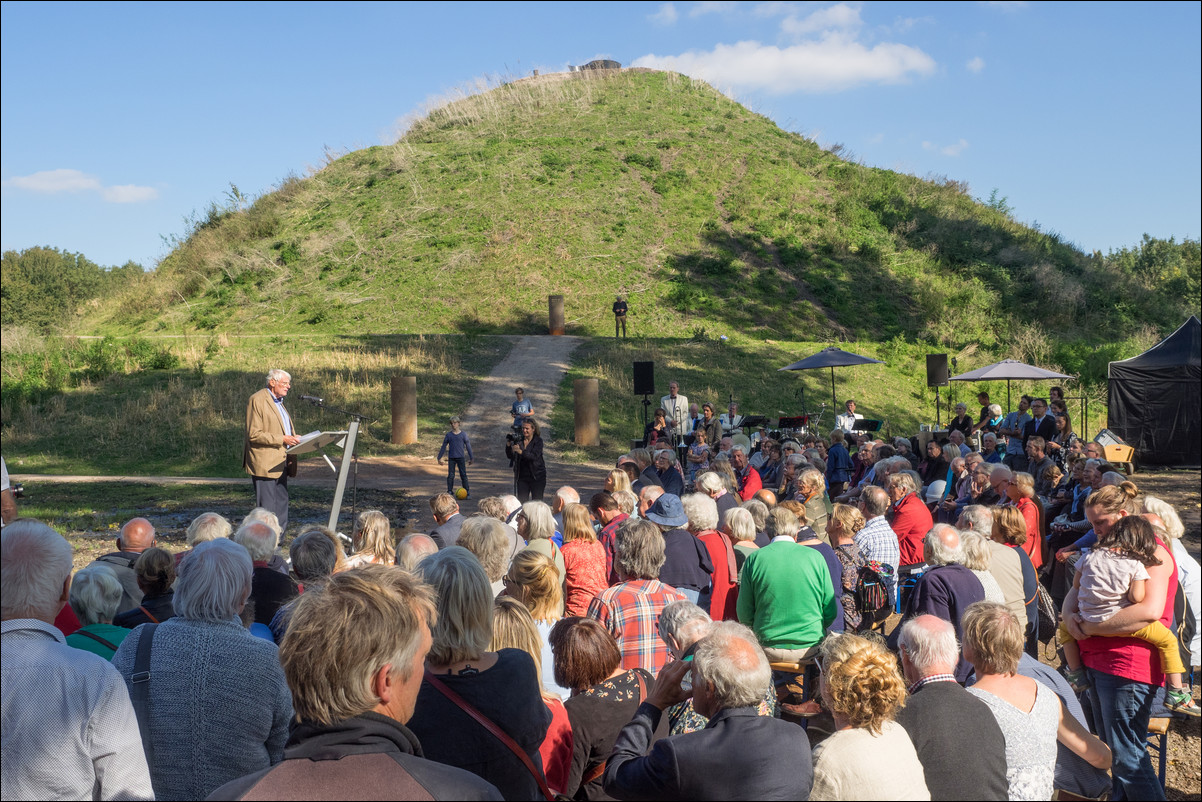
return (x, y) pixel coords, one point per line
(348, 447)
(866, 425)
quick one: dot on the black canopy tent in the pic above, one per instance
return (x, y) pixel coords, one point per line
(1155, 398)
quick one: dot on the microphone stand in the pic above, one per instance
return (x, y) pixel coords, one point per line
(357, 419)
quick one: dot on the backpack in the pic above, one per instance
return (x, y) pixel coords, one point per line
(872, 593)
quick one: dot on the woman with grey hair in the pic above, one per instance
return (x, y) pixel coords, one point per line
(218, 707)
(536, 525)
(95, 597)
(811, 491)
(978, 559)
(205, 527)
(759, 517)
(503, 686)
(724, 581)
(739, 526)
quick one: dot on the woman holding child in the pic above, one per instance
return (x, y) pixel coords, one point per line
(1125, 672)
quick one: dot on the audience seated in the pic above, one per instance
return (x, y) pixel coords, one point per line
(155, 571)
(687, 565)
(702, 513)
(270, 590)
(413, 549)
(1029, 713)
(946, 589)
(353, 689)
(372, 540)
(966, 757)
(911, 519)
(137, 535)
(487, 540)
(631, 608)
(502, 686)
(869, 756)
(604, 698)
(69, 727)
(95, 595)
(204, 527)
(218, 707)
(739, 755)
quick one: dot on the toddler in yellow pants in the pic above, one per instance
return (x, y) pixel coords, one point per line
(1114, 576)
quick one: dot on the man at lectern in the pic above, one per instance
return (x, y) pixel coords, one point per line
(269, 432)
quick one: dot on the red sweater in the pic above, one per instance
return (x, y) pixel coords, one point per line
(911, 521)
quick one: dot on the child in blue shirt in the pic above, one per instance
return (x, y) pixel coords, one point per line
(459, 453)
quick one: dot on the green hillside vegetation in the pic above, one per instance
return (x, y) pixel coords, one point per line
(706, 215)
(710, 218)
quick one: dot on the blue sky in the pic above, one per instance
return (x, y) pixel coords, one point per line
(119, 120)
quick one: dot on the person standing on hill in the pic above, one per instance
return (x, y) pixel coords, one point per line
(620, 309)
(269, 433)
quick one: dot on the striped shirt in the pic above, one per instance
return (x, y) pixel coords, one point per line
(630, 611)
(877, 542)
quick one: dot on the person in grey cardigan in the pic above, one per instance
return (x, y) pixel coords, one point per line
(219, 707)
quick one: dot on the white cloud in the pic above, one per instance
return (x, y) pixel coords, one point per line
(665, 16)
(129, 193)
(773, 9)
(50, 182)
(975, 64)
(947, 150)
(711, 7)
(833, 63)
(53, 182)
(839, 17)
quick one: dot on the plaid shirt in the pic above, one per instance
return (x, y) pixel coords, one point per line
(932, 678)
(877, 542)
(630, 611)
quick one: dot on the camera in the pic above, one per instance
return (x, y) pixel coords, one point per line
(17, 489)
(511, 438)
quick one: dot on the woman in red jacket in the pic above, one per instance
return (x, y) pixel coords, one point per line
(1020, 492)
(911, 518)
(724, 587)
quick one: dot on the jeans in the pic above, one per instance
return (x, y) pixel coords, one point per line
(1121, 709)
(451, 463)
(690, 594)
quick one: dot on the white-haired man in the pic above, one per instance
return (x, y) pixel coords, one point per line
(749, 478)
(269, 433)
(760, 757)
(563, 497)
(929, 653)
(69, 727)
(270, 590)
(946, 589)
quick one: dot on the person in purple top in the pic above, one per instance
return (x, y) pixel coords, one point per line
(458, 450)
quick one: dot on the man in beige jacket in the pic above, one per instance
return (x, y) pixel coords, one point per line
(269, 432)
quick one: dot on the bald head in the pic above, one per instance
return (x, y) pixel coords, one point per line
(875, 500)
(413, 549)
(137, 535)
(647, 497)
(942, 545)
(766, 496)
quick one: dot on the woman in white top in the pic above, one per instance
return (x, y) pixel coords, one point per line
(372, 540)
(870, 756)
(534, 580)
(1030, 714)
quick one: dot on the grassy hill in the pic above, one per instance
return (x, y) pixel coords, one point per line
(706, 215)
(710, 218)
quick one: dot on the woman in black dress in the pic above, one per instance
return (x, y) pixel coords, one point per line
(529, 470)
(604, 698)
(962, 422)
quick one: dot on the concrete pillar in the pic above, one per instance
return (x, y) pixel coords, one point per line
(555, 313)
(404, 410)
(587, 397)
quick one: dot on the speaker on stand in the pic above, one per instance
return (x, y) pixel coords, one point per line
(644, 385)
(937, 377)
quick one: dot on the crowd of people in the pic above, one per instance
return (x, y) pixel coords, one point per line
(712, 626)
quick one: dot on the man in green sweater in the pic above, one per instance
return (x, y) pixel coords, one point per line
(786, 598)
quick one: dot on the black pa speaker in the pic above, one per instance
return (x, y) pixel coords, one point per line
(644, 378)
(936, 370)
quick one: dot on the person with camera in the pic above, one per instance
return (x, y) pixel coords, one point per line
(525, 452)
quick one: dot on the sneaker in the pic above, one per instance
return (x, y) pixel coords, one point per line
(1078, 679)
(1179, 701)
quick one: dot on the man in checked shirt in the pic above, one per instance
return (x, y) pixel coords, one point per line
(631, 608)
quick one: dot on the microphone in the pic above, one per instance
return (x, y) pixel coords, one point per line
(312, 399)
